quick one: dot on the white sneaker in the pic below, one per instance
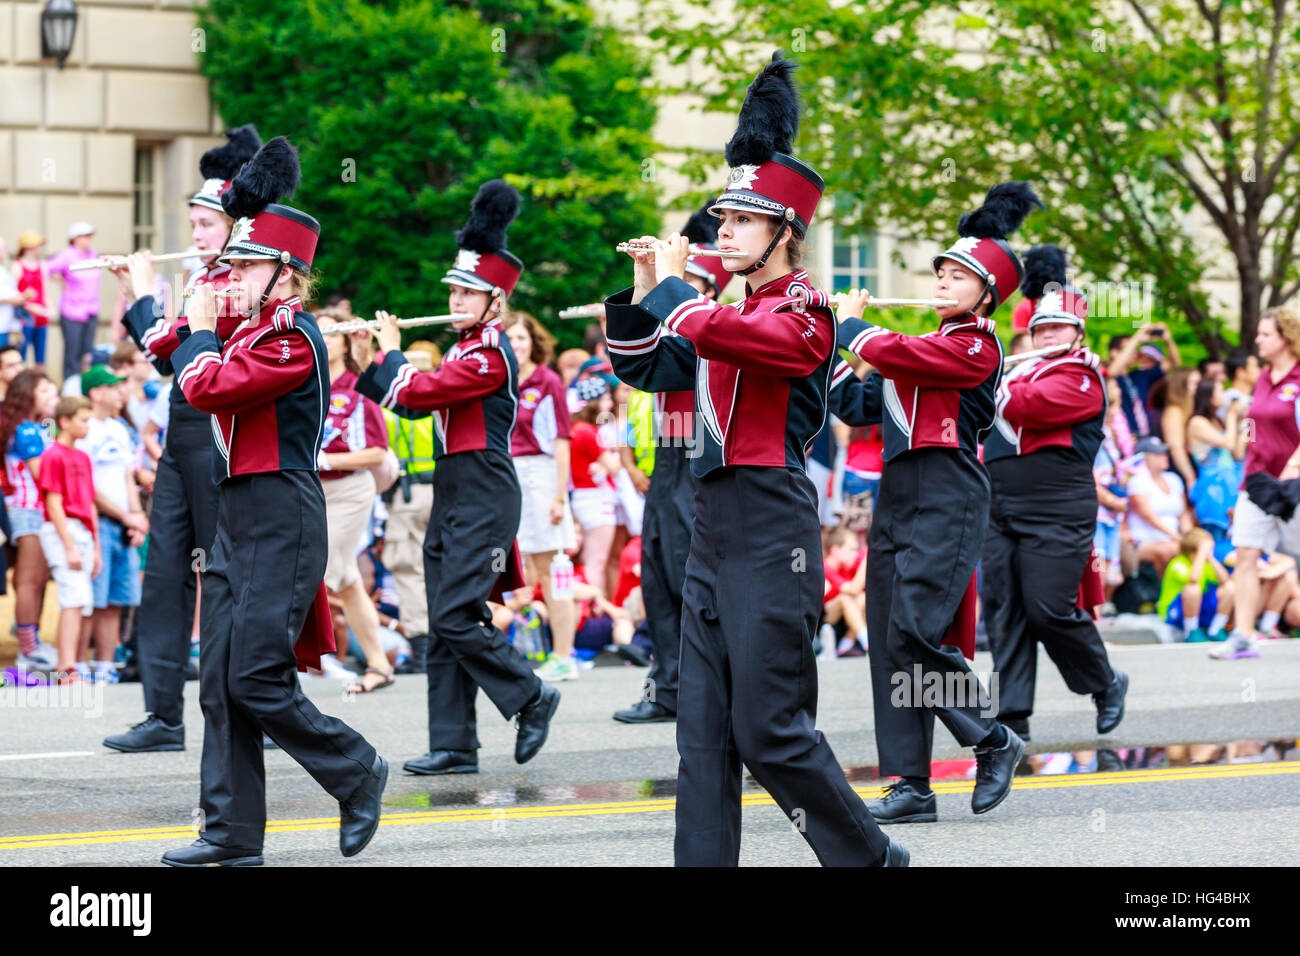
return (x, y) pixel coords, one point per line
(42, 658)
(827, 638)
(331, 668)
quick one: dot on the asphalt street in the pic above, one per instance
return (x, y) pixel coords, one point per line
(1193, 776)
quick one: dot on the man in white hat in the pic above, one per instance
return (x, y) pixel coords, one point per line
(79, 304)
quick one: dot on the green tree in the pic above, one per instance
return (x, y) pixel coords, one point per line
(402, 108)
(1136, 122)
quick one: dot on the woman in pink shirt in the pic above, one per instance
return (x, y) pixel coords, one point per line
(79, 304)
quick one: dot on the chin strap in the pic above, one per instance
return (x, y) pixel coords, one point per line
(771, 246)
(988, 287)
(266, 293)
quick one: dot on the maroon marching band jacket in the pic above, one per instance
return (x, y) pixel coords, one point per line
(938, 392)
(759, 370)
(1058, 401)
(473, 397)
(267, 391)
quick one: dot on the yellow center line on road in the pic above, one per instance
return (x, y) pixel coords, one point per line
(623, 807)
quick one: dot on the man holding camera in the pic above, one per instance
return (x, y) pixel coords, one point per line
(1154, 351)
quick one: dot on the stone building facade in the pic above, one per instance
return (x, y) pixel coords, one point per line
(112, 138)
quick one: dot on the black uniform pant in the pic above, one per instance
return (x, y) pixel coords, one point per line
(1041, 525)
(476, 503)
(748, 693)
(665, 546)
(182, 518)
(926, 534)
(267, 564)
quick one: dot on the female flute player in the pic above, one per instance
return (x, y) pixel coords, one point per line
(1043, 512)
(267, 390)
(932, 513)
(760, 372)
(183, 515)
(476, 496)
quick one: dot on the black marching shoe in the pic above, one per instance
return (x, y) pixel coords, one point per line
(896, 855)
(415, 664)
(150, 735)
(533, 723)
(1110, 703)
(359, 813)
(902, 803)
(203, 853)
(1020, 725)
(994, 768)
(645, 712)
(443, 761)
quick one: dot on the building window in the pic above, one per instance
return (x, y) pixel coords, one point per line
(855, 263)
(144, 220)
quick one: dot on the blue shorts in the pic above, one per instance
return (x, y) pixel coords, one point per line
(1209, 607)
(25, 521)
(1106, 541)
(118, 583)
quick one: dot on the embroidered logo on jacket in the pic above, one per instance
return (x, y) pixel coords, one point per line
(284, 351)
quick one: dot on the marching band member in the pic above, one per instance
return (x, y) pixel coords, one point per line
(932, 512)
(183, 512)
(670, 507)
(268, 393)
(476, 498)
(1043, 512)
(753, 590)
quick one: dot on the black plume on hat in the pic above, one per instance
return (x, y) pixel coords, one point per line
(769, 117)
(1043, 265)
(222, 162)
(1005, 207)
(702, 227)
(271, 175)
(490, 214)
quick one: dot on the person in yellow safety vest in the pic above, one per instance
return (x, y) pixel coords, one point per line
(640, 416)
(410, 503)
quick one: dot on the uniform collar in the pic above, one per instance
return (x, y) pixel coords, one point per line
(293, 303)
(476, 331)
(779, 286)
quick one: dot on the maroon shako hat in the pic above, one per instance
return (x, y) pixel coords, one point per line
(702, 230)
(764, 177)
(983, 245)
(483, 262)
(265, 229)
(1045, 284)
(219, 165)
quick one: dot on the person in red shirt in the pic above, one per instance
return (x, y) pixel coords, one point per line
(71, 531)
(845, 586)
(355, 441)
(1274, 448)
(29, 270)
(592, 470)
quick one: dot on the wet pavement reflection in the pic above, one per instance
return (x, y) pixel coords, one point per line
(1039, 764)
